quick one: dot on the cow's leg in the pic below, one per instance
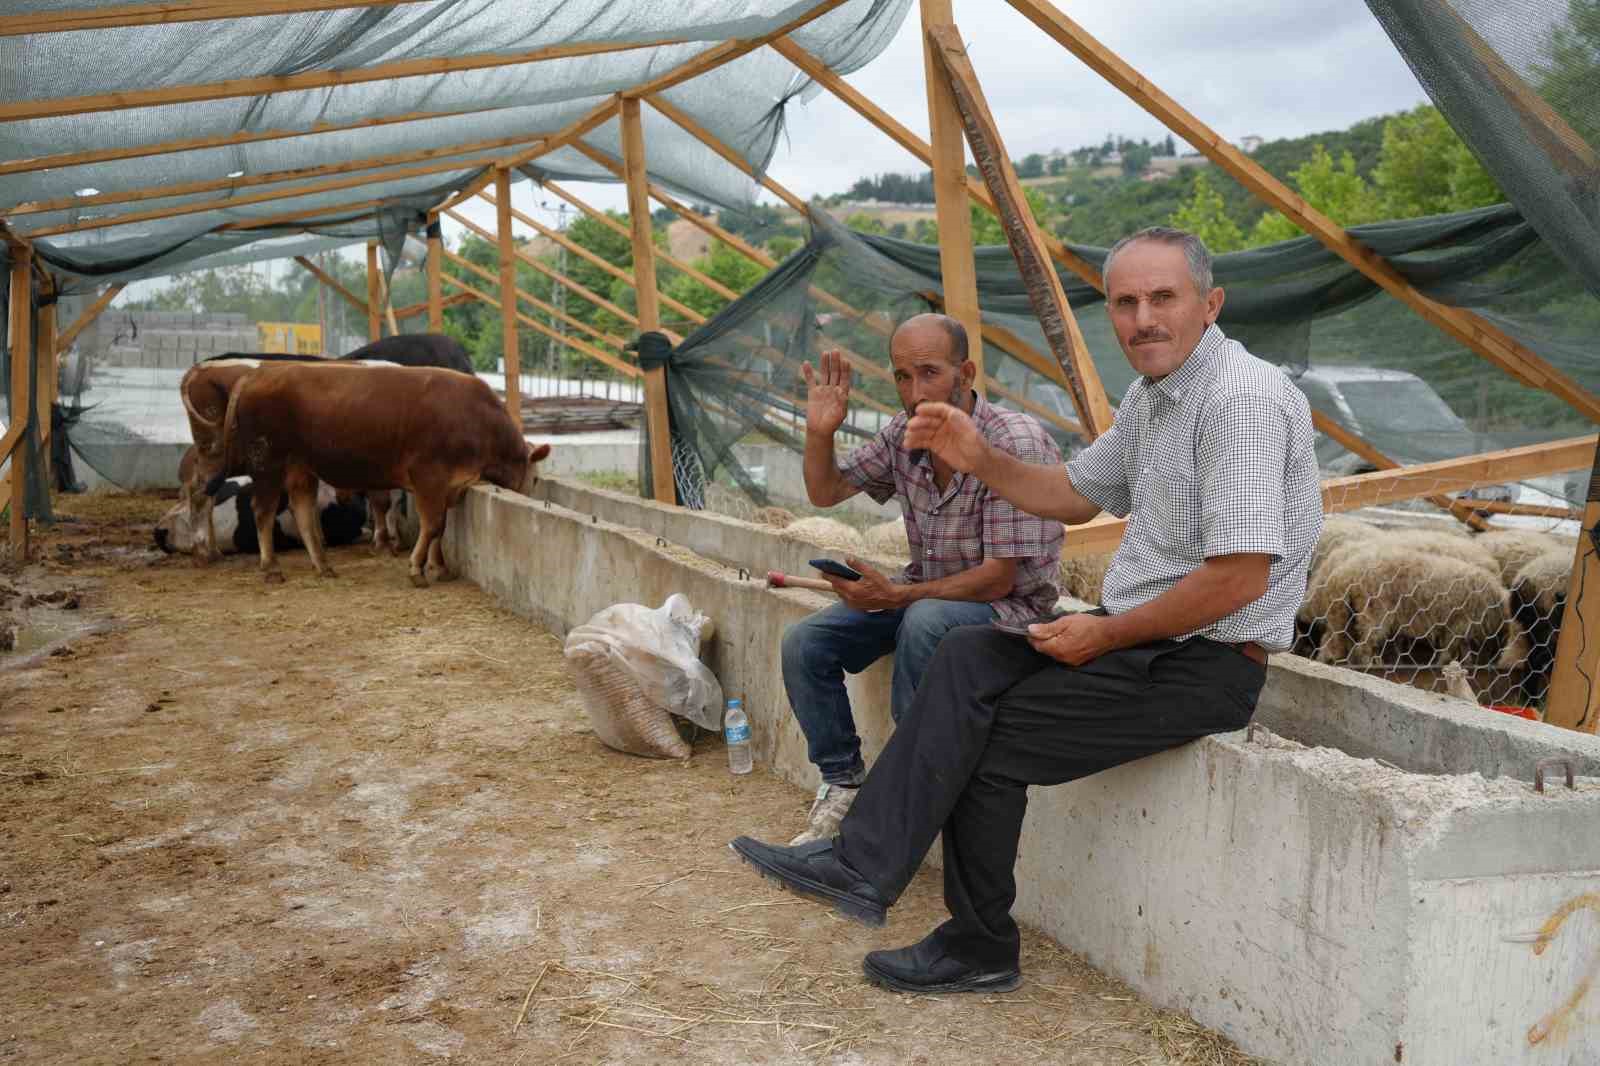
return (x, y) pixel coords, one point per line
(396, 502)
(265, 505)
(302, 487)
(203, 530)
(378, 504)
(441, 572)
(431, 512)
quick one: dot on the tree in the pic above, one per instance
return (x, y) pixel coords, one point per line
(1334, 189)
(1032, 166)
(1205, 215)
(1568, 74)
(1136, 159)
(1425, 169)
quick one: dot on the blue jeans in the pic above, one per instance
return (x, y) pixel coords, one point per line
(818, 652)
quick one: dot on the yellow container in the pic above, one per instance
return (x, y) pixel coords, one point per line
(290, 338)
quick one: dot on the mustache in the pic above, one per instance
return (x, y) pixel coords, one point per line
(1150, 335)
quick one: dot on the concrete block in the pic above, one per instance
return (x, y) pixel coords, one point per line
(1318, 906)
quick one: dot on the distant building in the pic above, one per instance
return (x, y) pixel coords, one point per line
(1249, 143)
(1112, 158)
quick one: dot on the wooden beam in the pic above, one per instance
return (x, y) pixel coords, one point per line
(64, 340)
(957, 268)
(1573, 699)
(1045, 294)
(549, 271)
(603, 337)
(160, 192)
(46, 382)
(602, 263)
(351, 212)
(168, 13)
(532, 323)
(508, 293)
(230, 203)
(715, 57)
(657, 421)
(717, 145)
(606, 220)
(374, 327)
(1360, 447)
(421, 308)
(1462, 326)
(333, 283)
(388, 308)
(21, 406)
(18, 110)
(1037, 410)
(435, 301)
(819, 72)
(571, 135)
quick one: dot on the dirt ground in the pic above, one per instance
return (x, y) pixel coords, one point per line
(349, 821)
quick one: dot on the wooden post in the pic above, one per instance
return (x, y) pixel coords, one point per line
(957, 270)
(332, 283)
(67, 336)
(374, 298)
(644, 275)
(21, 410)
(435, 291)
(1573, 700)
(508, 292)
(45, 382)
(1045, 294)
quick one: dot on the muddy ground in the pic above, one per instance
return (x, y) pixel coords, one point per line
(350, 821)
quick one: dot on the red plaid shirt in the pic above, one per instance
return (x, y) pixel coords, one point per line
(957, 529)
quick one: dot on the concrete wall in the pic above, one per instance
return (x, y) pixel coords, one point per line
(1316, 905)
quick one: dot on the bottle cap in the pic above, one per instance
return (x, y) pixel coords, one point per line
(735, 701)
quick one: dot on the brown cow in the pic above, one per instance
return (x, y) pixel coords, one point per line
(431, 431)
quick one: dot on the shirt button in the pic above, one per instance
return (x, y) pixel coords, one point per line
(936, 510)
(930, 553)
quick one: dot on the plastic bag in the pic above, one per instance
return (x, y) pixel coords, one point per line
(636, 666)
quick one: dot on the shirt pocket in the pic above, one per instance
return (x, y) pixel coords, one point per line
(1174, 501)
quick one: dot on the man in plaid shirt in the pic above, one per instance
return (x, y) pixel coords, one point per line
(975, 558)
(1210, 457)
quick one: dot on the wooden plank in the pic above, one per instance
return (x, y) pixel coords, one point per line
(644, 271)
(435, 292)
(1045, 295)
(1357, 446)
(374, 327)
(1037, 410)
(64, 340)
(349, 212)
(508, 294)
(388, 308)
(599, 261)
(193, 188)
(606, 220)
(230, 203)
(169, 13)
(532, 323)
(21, 408)
(957, 268)
(333, 283)
(421, 308)
(572, 135)
(1573, 701)
(18, 110)
(684, 120)
(886, 123)
(726, 53)
(603, 337)
(1462, 326)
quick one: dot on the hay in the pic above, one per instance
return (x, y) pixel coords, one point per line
(827, 533)
(775, 517)
(1084, 576)
(888, 539)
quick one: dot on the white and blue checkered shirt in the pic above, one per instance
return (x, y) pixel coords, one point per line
(1216, 458)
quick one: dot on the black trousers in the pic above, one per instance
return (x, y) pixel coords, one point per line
(992, 717)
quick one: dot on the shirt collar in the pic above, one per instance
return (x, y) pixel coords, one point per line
(1173, 386)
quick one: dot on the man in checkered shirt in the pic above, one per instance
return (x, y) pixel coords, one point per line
(1210, 456)
(975, 558)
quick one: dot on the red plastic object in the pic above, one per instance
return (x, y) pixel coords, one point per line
(1520, 712)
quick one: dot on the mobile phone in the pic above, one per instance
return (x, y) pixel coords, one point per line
(839, 570)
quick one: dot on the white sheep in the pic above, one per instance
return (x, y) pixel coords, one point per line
(1448, 544)
(1538, 599)
(1337, 531)
(827, 533)
(774, 517)
(1368, 598)
(1515, 548)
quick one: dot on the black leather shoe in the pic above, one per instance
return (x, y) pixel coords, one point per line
(925, 967)
(814, 870)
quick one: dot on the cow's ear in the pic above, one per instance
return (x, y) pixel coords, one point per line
(540, 453)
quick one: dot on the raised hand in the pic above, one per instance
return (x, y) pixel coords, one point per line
(827, 392)
(949, 433)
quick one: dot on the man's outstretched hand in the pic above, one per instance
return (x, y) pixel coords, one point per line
(949, 433)
(827, 392)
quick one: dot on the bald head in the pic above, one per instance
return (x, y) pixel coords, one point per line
(933, 330)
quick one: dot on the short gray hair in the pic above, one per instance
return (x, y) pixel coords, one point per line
(1194, 250)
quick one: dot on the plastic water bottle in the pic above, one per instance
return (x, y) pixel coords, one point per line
(736, 730)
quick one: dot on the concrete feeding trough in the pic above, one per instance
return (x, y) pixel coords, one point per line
(1370, 876)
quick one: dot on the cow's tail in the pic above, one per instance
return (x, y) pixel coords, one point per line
(230, 423)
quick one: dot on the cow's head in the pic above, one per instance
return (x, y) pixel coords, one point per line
(530, 473)
(172, 533)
